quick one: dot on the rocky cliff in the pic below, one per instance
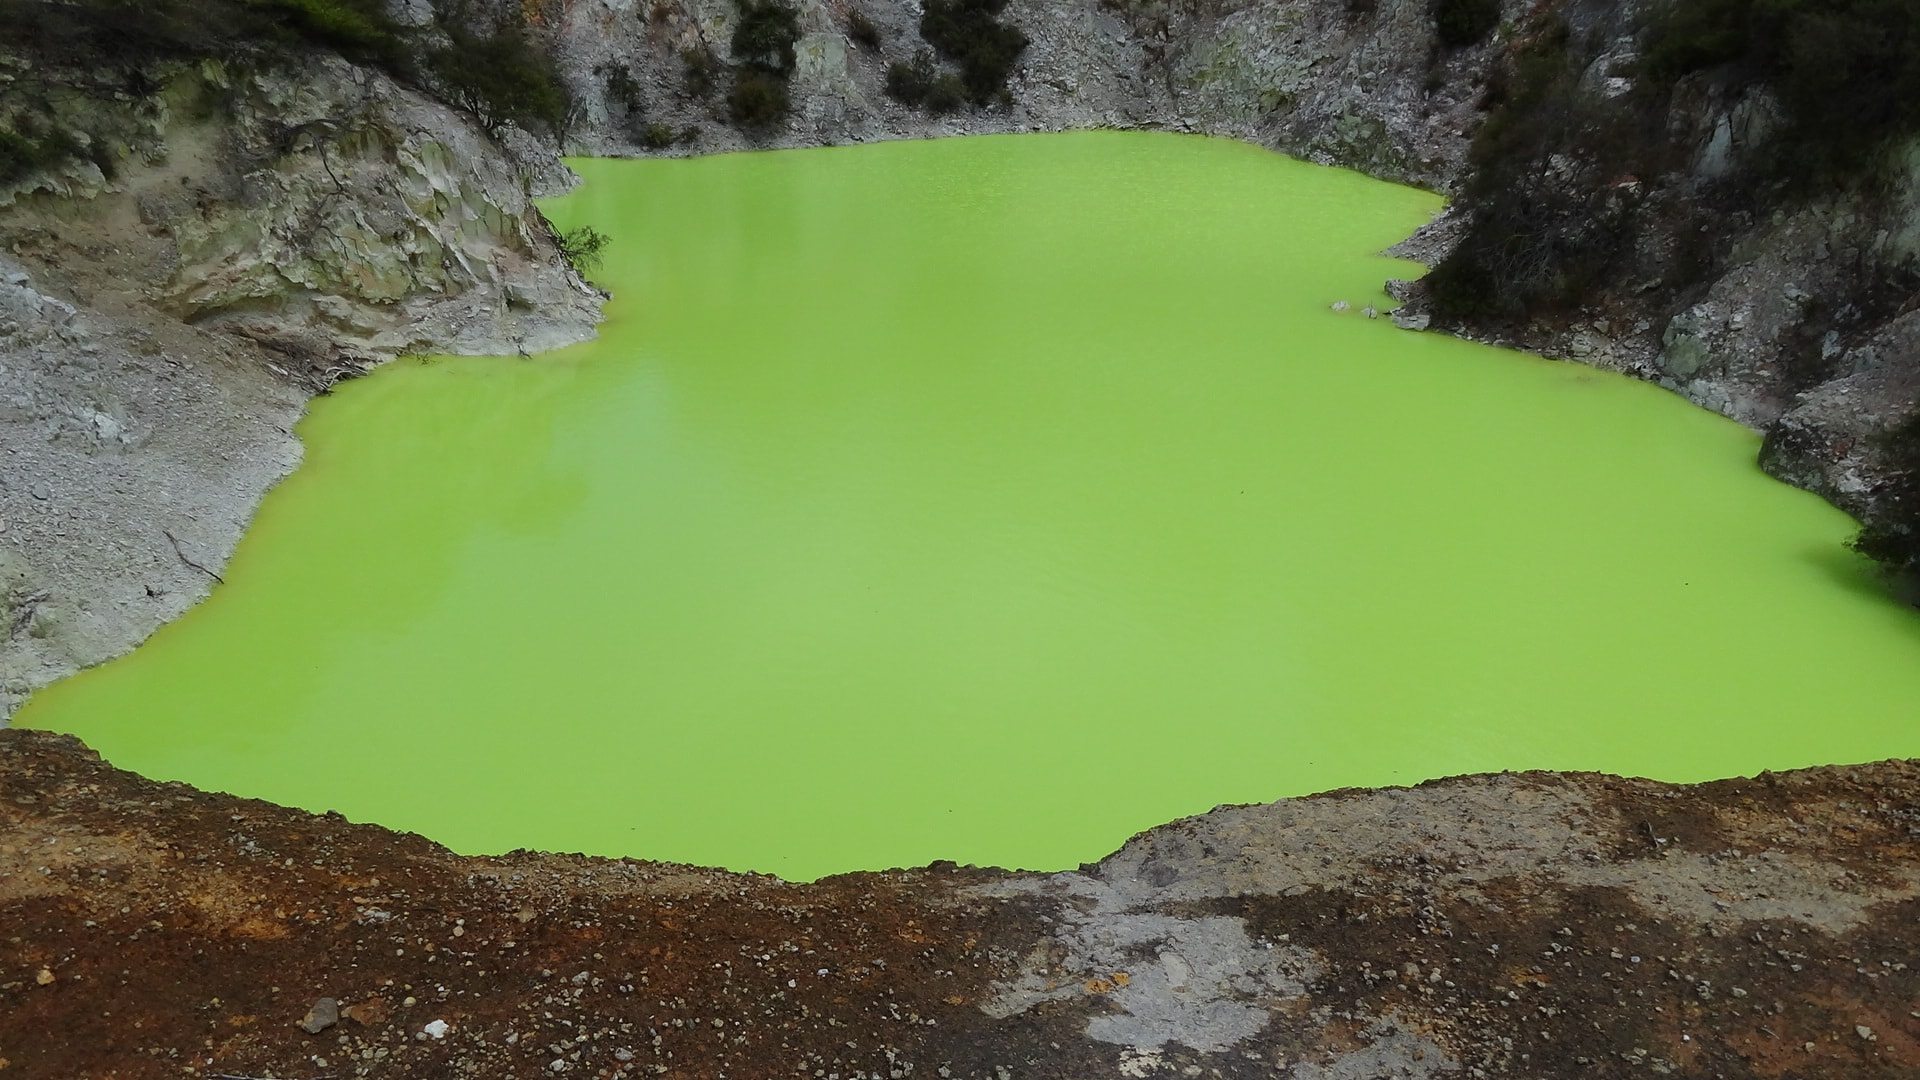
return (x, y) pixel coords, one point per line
(232, 240)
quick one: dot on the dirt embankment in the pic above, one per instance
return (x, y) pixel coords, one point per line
(1517, 925)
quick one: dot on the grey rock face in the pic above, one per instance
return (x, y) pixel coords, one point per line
(160, 331)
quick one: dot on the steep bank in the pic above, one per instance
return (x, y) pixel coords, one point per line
(1723, 198)
(1526, 925)
(234, 239)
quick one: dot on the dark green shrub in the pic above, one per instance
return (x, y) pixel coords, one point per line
(657, 136)
(1894, 538)
(584, 247)
(1461, 288)
(623, 90)
(699, 71)
(359, 28)
(1460, 23)
(1847, 72)
(862, 30)
(22, 154)
(500, 77)
(922, 84)
(758, 100)
(909, 81)
(764, 37)
(968, 33)
(131, 32)
(948, 94)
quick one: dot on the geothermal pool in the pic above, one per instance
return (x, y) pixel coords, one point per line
(993, 499)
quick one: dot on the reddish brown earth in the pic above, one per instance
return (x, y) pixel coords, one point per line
(1528, 925)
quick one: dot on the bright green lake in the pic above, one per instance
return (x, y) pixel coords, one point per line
(993, 499)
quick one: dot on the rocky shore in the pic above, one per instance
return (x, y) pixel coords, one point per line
(1521, 925)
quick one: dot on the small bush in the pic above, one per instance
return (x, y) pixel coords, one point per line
(699, 71)
(657, 136)
(758, 101)
(132, 32)
(584, 248)
(968, 33)
(501, 77)
(1847, 72)
(922, 84)
(862, 30)
(948, 94)
(623, 89)
(909, 80)
(21, 155)
(764, 37)
(1465, 22)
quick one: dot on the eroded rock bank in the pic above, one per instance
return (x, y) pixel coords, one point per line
(234, 240)
(1514, 925)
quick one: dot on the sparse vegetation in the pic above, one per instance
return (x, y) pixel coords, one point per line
(584, 247)
(500, 77)
(763, 38)
(1533, 246)
(970, 34)
(763, 56)
(699, 71)
(758, 100)
(24, 153)
(622, 88)
(1847, 72)
(862, 30)
(496, 73)
(657, 136)
(135, 31)
(626, 104)
(921, 83)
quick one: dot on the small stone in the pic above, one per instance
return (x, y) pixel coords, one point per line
(43, 977)
(436, 1029)
(1865, 1032)
(324, 1014)
(16, 278)
(42, 492)
(1341, 305)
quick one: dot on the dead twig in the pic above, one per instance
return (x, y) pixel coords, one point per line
(177, 550)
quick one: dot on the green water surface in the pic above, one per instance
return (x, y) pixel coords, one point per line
(993, 499)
